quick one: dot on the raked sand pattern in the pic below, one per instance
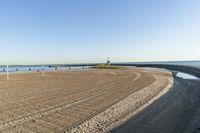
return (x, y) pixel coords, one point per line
(78, 100)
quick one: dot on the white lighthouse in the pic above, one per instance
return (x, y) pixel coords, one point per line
(108, 61)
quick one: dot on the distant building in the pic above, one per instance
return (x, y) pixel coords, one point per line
(108, 61)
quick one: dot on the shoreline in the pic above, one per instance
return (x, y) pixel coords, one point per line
(129, 100)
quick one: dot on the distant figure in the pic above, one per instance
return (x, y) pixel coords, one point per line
(17, 69)
(69, 67)
(108, 61)
(29, 69)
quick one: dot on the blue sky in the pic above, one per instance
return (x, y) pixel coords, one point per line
(76, 31)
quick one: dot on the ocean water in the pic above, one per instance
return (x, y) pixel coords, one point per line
(26, 68)
(190, 63)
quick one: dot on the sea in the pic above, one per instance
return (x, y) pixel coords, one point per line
(23, 68)
(189, 63)
(26, 68)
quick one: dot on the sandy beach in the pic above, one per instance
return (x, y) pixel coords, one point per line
(79, 100)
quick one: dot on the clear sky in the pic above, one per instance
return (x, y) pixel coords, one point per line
(76, 31)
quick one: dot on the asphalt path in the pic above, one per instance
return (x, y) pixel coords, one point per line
(178, 111)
